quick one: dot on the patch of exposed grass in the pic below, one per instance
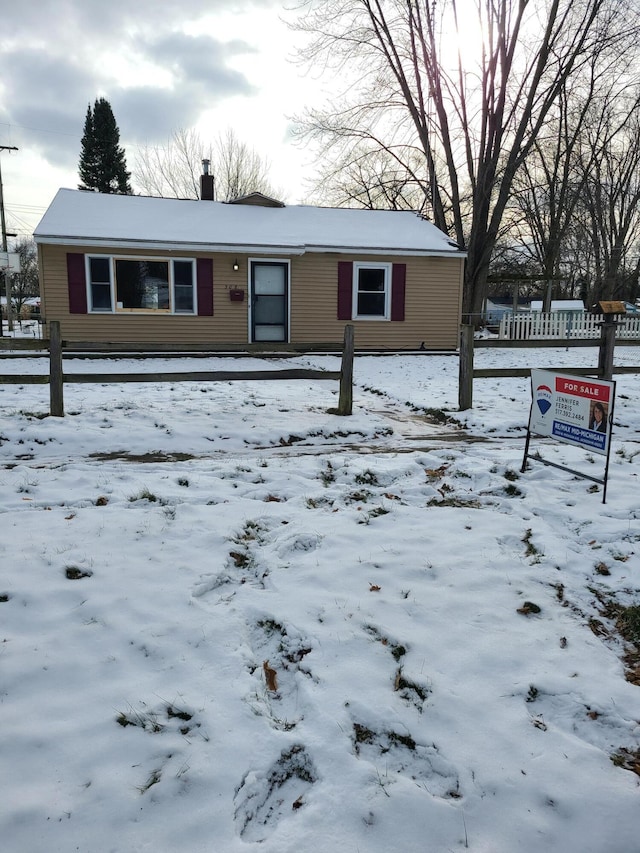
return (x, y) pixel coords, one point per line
(328, 474)
(373, 513)
(153, 779)
(384, 740)
(628, 759)
(512, 491)
(251, 532)
(435, 416)
(38, 416)
(360, 496)
(292, 439)
(145, 495)
(530, 549)
(533, 693)
(155, 722)
(628, 623)
(367, 478)
(403, 740)
(270, 627)
(241, 559)
(398, 651)
(125, 456)
(75, 573)
(468, 503)
(409, 690)
(625, 621)
(314, 503)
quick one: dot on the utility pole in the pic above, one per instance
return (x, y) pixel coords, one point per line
(3, 227)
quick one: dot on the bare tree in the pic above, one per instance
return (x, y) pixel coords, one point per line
(475, 118)
(174, 171)
(239, 169)
(611, 203)
(370, 177)
(24, 284)
(552, 181)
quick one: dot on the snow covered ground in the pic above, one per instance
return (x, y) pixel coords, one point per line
(232, 621)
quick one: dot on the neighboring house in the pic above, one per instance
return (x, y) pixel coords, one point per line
(497, 306)
(559, 305)
(118, 268)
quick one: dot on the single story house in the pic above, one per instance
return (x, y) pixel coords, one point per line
(119, 268)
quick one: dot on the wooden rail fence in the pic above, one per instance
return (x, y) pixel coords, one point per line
(604, 369)
(57, 379)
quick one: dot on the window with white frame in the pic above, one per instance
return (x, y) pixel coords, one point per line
(100, 284)
(371, 290)
(141, 284)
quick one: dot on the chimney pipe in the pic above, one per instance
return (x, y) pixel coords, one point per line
(207, 188)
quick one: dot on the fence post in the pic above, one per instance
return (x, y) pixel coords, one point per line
(465, 373)
(345, 403)
(607, 346)
(56, 401)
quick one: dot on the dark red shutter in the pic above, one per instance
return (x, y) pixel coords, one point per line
(398, 280)
(345, 289)
(77, 283)
(204, 275)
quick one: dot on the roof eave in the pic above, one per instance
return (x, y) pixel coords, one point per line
(395, 252)
(167, 246)
(244, 248)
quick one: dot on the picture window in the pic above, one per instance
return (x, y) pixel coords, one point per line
(141, 285)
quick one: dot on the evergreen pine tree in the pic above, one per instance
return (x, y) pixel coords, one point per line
(102, 167)
(86, 168)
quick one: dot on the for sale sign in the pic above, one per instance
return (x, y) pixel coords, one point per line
(573, 409)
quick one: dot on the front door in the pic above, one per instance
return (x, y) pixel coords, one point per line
(269, 301)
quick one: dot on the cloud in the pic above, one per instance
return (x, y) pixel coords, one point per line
(96, 20)
(147, 115)
(48, 81)
(197, 58)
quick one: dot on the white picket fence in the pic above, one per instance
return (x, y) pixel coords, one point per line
(529, 325)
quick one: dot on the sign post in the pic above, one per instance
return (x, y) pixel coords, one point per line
(575, 410)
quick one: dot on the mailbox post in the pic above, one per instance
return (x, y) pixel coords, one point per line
(609, 311)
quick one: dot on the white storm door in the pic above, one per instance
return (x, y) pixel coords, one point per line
(269, 301)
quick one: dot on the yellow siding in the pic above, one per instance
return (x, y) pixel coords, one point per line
(432, 305)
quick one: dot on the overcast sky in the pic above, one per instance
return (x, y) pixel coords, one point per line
(164, 65)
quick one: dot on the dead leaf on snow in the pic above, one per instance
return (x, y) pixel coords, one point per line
(270, 676)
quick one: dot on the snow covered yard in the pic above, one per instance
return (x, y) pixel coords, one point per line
(232, 621)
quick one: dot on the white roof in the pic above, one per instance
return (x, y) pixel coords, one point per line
(77, 217)
(559, 305)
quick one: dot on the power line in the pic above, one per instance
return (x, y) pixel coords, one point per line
(77, 136)
(26, 207)
(9, 125)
